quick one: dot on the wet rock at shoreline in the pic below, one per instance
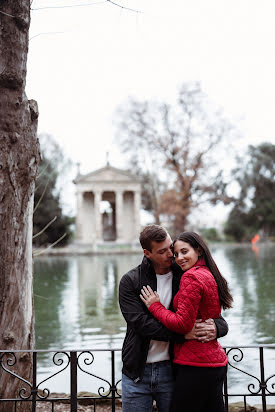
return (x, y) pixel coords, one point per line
(269, 408)
(239, 407)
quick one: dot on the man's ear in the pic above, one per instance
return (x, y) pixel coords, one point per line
(147, 253)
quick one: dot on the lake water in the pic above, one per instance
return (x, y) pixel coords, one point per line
(76, 307)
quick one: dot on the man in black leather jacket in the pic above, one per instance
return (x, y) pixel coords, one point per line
(148, 345)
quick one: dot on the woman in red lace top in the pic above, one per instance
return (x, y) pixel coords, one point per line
(200, 367)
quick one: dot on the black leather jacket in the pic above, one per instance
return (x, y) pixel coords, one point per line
(141, 325)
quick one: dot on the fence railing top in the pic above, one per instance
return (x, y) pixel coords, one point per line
(62, 350)
(271, 345)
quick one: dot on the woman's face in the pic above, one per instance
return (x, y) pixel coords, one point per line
(185, 255)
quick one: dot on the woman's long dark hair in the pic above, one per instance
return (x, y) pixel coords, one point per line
(194, 240)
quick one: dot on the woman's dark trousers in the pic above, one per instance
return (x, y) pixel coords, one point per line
(198, 389)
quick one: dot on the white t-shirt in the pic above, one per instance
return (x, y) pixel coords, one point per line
(159, 350)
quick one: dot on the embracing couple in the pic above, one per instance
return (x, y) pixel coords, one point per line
(172, 304)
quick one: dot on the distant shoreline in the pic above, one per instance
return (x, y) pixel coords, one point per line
(89, 250)
(118, 249)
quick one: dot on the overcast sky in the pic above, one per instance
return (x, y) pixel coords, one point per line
(85, 61)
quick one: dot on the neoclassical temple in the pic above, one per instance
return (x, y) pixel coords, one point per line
(108, 206)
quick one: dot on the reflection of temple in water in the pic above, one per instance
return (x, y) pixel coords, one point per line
(108, 207)
(98, 282)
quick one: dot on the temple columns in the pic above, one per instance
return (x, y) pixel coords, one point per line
(119, 215)
(97, 216)
(89, 220)
(137, 207)
(79, 215)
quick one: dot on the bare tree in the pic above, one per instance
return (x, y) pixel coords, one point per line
(181, 144)
(19, 158)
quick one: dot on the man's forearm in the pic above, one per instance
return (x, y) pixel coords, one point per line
(222, 327)
(144, 325)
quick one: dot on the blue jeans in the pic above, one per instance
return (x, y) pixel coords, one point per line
(157, 384)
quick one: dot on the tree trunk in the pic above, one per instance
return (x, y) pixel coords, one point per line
(19, 158)
(156, 217)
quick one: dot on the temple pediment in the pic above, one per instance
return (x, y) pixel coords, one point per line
(107, 174)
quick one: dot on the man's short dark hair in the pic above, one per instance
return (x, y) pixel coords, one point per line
(151, 233)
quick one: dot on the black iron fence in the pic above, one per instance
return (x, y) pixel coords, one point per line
(246, 380)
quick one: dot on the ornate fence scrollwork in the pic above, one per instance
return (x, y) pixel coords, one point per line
(271, 384)
(262, 388)
(116, 390)
(11, 360)
(58, 361)
(101, 390)
(238, 357)
(84, 360)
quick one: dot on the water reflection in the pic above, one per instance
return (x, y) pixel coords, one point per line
(76, 307)
(50, 281)
(98, 281)
(76, 304)
(110, 287)
(76, 300)
(254, 280)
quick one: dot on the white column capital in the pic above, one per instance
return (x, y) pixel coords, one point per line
(98, 193)
(119, 192)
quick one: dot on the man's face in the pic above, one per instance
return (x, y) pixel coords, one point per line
(161, 255)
